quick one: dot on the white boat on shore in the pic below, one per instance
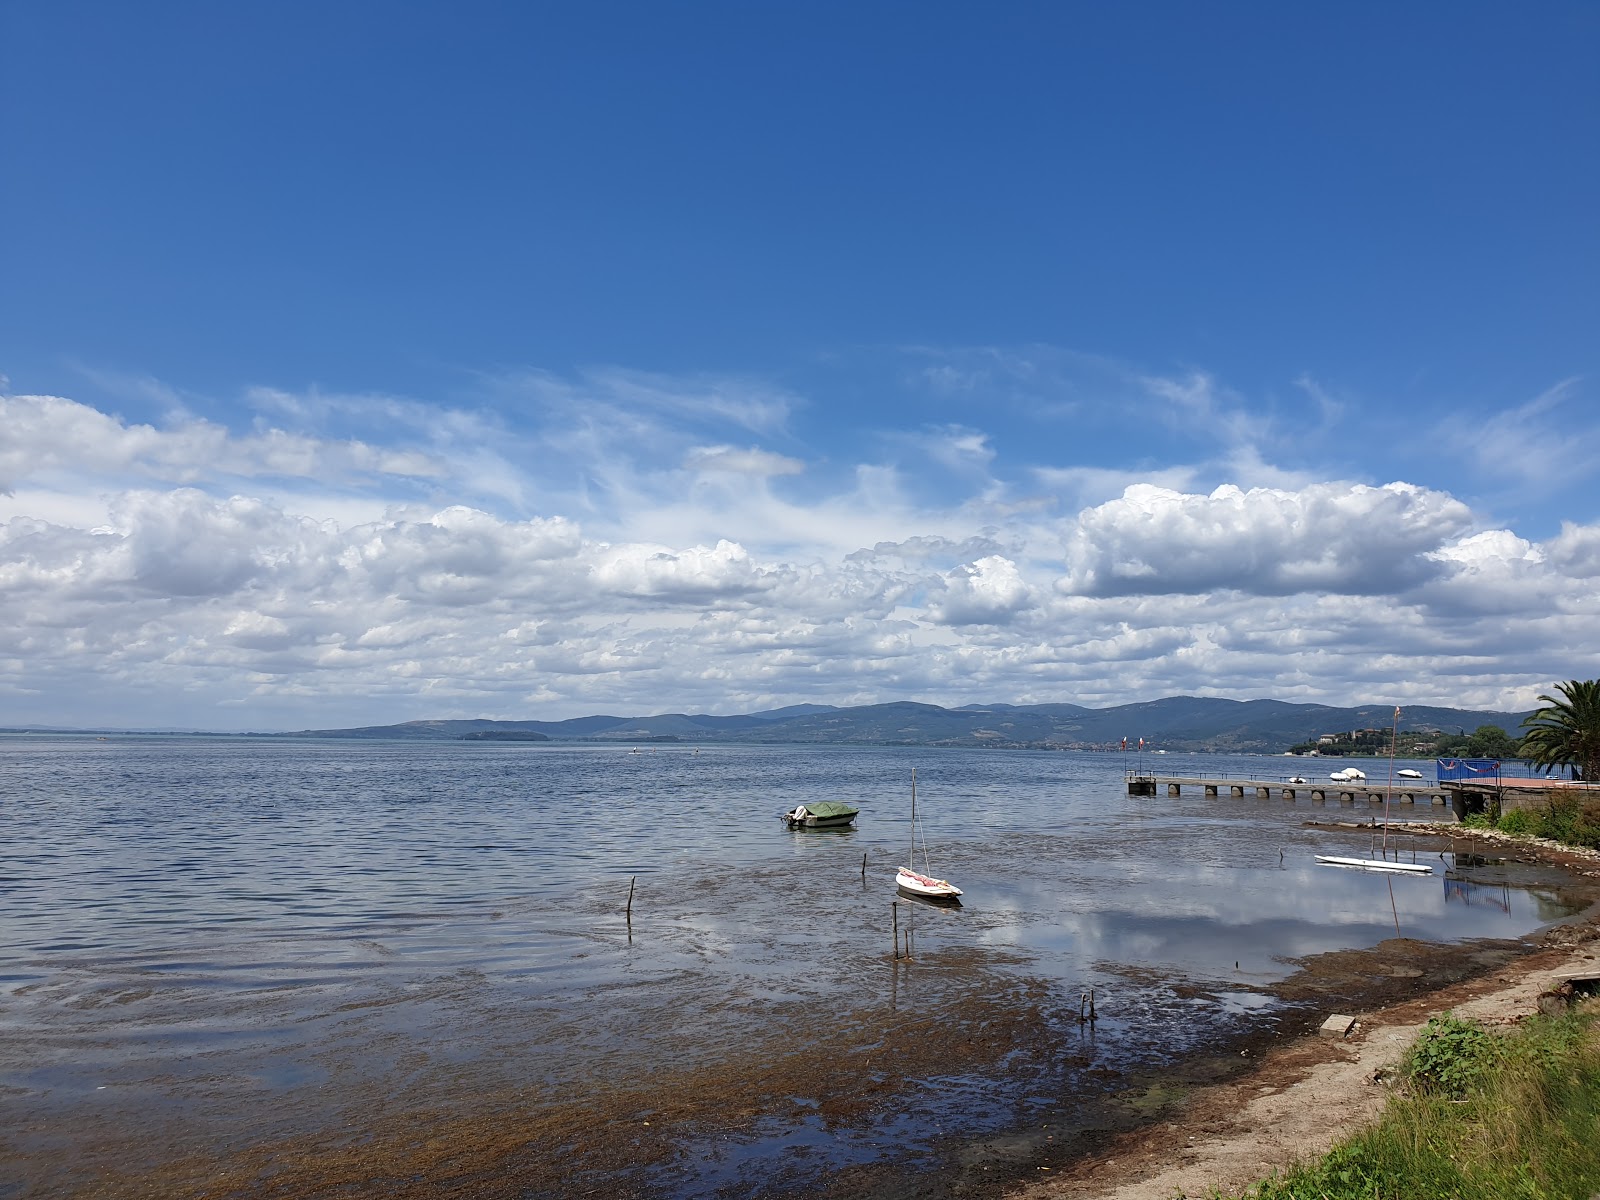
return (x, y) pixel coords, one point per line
(1375, 864)
(1390, 865)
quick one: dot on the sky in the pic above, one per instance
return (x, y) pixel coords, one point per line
(371, 362)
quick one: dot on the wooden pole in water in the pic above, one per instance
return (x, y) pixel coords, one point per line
(632, 879)
(894, 910)
(863, 866)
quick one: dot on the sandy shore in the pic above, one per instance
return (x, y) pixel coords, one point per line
(1310, 1093)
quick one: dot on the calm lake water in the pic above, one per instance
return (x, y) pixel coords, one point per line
(195, 931)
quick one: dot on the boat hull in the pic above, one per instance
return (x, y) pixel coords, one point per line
(924, 887)
(1375, 864)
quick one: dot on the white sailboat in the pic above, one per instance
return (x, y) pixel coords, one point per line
(1379, 864)
(915, 883)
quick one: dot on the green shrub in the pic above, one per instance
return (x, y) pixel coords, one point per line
(1450, 1055)
(1571, 820)
(1518, 821)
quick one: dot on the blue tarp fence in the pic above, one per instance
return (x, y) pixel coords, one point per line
(1451, 770)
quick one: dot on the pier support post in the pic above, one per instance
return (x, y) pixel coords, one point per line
(1174, 789)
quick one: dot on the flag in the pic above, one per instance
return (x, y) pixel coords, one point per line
(1124, 743)
(1396, 712)
(1141, 743)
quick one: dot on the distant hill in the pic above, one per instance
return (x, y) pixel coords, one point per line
(1198, 723)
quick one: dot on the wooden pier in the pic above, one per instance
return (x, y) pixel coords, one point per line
(1343, 791)
(1492, 794)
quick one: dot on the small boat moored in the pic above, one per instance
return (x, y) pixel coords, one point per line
(915, 884)
(823, 814)
(1375, 864)
(1408, 773)
(925, 887)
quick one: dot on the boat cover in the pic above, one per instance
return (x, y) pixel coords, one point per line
(831, 808)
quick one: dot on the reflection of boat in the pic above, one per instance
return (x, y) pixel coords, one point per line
(1375, 864)
(943, 905)
(824, 814)
(914, 883)
(1408, 773)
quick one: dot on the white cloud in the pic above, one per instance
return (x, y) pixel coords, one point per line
(1538, 445)
(1334, 537)
(989, 591)
(748, 461)
(641, 543)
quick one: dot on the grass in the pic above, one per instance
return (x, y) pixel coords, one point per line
(1485, 1116)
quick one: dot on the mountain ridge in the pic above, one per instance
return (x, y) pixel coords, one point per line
(1193, 723)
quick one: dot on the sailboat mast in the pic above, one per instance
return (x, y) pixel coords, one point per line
(1388, 792)
(913, 859)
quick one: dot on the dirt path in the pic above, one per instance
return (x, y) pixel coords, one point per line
(1316, 1090)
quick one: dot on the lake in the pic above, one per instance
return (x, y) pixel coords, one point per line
(289, 966)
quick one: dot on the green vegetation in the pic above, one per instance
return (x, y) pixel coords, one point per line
(1484, 1117)
(1571, 820)
(1566, 732)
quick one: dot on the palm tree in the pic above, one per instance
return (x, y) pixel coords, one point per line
(1566, 732)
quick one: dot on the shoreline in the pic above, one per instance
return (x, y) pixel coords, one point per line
(484, 1133)
(1303, 1097)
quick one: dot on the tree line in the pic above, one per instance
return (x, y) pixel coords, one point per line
(1563, 734)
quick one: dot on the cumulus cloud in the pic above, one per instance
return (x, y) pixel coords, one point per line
(1327, 537)
(989, 591)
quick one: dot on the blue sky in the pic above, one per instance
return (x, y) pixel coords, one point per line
(365, 362)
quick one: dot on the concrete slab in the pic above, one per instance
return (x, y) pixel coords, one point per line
(1337, 1026)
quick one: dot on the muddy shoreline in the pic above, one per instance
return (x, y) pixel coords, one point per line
(679, 1133)
(1300, 1097)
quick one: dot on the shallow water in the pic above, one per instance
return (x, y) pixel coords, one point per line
(197, 930)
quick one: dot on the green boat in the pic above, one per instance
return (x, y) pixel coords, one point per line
(824, 814)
